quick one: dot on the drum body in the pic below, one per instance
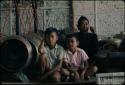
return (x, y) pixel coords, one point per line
(19, 52)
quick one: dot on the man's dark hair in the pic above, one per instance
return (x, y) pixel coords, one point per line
(50, 30)
(82, 18)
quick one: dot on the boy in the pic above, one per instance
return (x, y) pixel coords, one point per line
(51, 55)
(75, 60)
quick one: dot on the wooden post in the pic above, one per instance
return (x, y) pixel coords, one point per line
(72, 16)
(124, 16)
(17, 17)
(95, 16)
(0, 17)
(34, 6)
(10, 18)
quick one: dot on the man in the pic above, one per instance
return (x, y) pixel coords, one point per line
(88, 41)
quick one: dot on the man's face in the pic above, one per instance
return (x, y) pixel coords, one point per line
(52, 39)
(84, 25)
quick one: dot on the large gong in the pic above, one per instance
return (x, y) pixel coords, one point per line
(15, 53)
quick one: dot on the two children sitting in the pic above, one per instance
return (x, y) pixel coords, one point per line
(57, 62)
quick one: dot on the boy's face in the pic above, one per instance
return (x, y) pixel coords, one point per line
(52, 39)
(72, 43)
(84, 25)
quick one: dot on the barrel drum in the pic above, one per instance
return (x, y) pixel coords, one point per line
(19, 52)
(35, 41)
(15, 54)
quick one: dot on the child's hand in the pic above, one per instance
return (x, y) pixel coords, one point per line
(65, 64)
(82, 76)
(44, 63)
(77, 77)
(66, 72)
(41, 48)
(73, 70)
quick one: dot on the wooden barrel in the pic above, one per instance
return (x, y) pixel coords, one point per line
(15, 53)
(33, 71)
(18, 52)
(35, 41)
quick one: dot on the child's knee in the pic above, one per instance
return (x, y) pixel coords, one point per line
(65, 72)
(91, 70)
(95, 69)
(56, 77)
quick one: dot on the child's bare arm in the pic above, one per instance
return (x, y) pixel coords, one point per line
(41, 48)
(43, 57)
(77, 76)
(84, 70)
(59, 65)
(57, 68)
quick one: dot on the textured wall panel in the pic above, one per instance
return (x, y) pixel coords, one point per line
(109, 6)
(54, 14)
(83, 7)
(56, 3)
(106, 16)
(7, 18)
(110, 24)
(26, 18)
(57, 18)
(40, 15)
(110, 17)
(49, 14)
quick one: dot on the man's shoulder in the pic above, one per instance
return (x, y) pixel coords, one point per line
(91, 35)
(76, 33)
(87, 34)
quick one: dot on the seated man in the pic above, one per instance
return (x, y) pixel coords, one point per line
(88, 41)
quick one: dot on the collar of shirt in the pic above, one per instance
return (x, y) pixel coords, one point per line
(69, 52)
(56, 46)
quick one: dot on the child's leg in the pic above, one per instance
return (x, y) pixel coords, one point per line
(65, 72)
(56, 76)
(44, 63)
(76, 76)
(92, 69)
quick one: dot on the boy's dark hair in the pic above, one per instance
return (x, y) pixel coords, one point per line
(50, 30)
(71, 36)
(82, 18)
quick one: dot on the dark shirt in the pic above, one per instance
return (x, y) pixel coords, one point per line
(89, 43)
